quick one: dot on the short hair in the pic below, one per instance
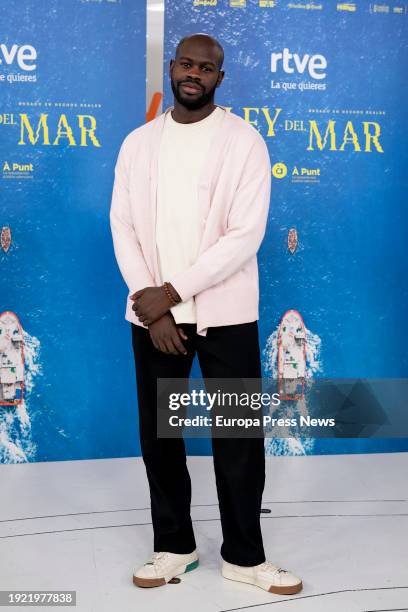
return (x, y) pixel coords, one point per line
(213, 40)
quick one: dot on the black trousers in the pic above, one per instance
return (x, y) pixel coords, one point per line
(239, 463)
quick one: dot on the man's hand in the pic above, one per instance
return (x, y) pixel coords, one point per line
(166, 336)
(151, 303)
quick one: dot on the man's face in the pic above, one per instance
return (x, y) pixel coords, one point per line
(194, 74)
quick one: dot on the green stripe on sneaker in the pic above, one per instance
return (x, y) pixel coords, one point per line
(191, 566)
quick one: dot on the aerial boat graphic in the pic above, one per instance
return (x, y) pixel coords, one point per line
(292, 240)
(11, 360)
(5, 238)
(291, 356)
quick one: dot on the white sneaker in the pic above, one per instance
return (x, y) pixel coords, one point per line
(162, 567)
(266, 575)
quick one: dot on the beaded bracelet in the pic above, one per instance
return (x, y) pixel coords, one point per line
(168, 292)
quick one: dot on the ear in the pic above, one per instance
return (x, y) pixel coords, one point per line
(220, 77)
(171, 66)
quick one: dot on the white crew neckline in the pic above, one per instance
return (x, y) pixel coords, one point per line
(194, 123)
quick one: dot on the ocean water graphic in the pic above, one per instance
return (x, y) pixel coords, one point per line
(16, 443)
(290, 445)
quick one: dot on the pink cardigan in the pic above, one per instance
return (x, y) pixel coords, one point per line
(234, 192)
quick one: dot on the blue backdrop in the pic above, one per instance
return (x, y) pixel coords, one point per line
(59, 275)
(71, 94)
(343, 191)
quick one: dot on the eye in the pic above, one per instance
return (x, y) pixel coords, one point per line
(185, 64)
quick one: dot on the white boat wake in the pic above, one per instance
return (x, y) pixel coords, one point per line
(290, 445)
(16, 444)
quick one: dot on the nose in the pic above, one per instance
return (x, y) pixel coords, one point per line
(194, 72)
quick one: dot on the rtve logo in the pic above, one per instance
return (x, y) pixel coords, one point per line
(315, 64)
(20, 55)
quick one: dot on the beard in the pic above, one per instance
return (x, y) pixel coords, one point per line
(188, 103)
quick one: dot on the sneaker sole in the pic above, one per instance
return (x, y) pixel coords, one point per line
(278, 590)
(286, 590)
(156, 582)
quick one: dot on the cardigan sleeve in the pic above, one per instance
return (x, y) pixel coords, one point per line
(246, 228)
(127, 248)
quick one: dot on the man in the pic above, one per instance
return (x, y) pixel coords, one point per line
(189, 210)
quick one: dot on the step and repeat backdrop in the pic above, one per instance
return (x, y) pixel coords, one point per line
(72, 82)
(324, 84)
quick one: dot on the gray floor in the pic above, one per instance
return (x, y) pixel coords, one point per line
(340, 522)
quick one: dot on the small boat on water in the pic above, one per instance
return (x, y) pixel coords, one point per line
(292, 240)
(5, 238)
(11, 360)
(291, 356)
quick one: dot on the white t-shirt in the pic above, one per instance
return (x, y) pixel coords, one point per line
(183, 150)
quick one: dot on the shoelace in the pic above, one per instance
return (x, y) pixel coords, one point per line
(158, 558)
(268, 565)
